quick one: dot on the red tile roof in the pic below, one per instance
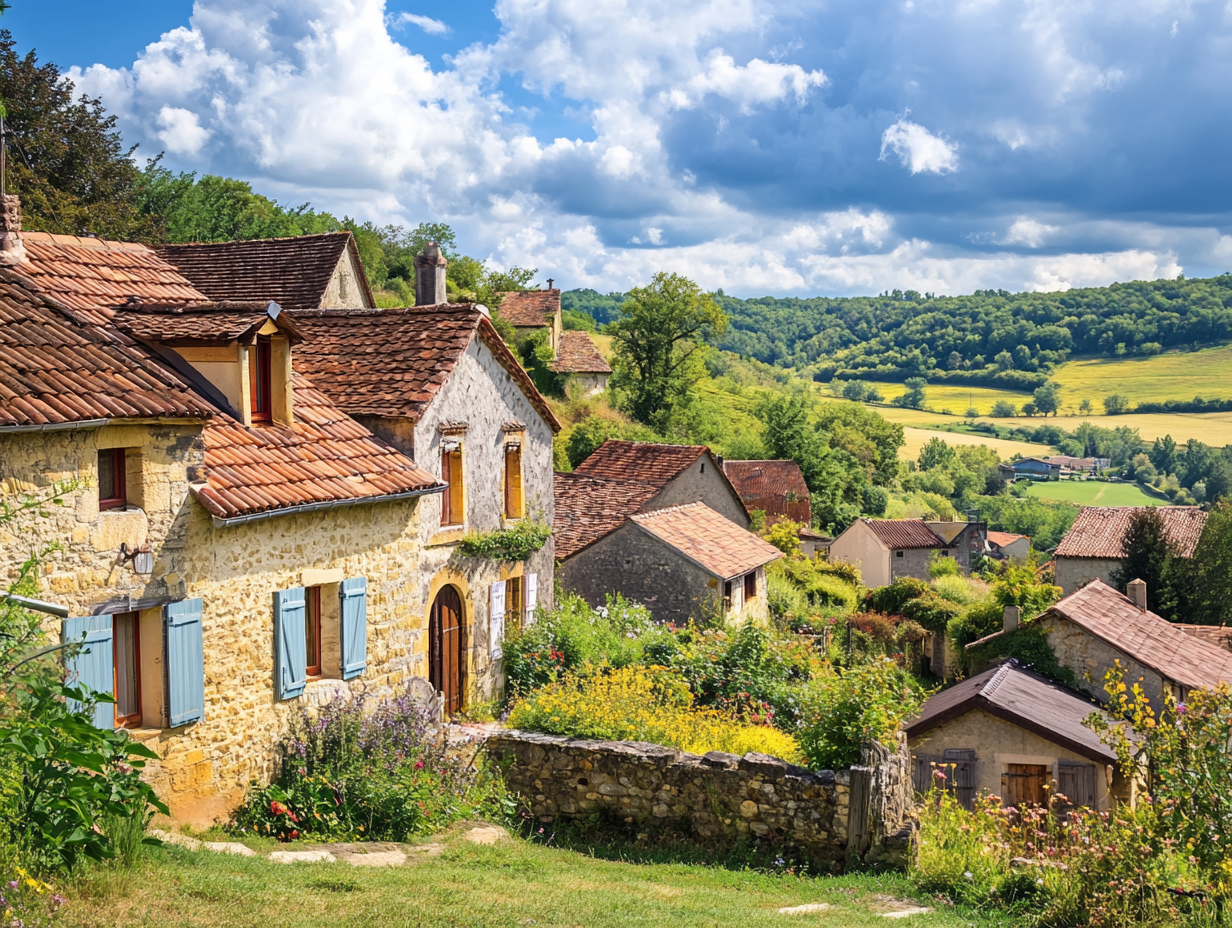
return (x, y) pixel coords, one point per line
(1218, 635)
(529, 308)
(57, 369)
(294, 272)
(768, 485)
(579, 355)
(1003, 539)
(644, 462)
(393, 362)
(93, 276)
(904, 533)
(203, 323)
(588, 508)
(1099, 531)
(709, 539)
(1015, 695)
(326, 457)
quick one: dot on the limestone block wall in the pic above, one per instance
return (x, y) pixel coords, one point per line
(834, 818)
(702, 482)
(1073, 573)
(1090, 658)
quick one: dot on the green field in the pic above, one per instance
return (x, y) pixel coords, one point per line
(1095, 493)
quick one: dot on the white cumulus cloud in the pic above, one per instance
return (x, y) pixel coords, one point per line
(181, 131)
(426, 23)
(918, 149)
(1028, 231)
(754, 84)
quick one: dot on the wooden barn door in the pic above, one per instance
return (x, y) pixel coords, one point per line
(1023, 785)
(447, 649)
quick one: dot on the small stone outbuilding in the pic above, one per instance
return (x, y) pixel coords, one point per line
(1094, 546)
(886, 549)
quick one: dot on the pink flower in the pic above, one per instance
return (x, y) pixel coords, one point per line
(938, 774)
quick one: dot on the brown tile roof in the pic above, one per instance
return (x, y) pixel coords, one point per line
(294, 272)
(708, 538)
(203, 323)
(1015, 695)
(588, 508)
(579, 355)
(529, 308)
(1218, 635)
(93, 276)
(1003, 539)
(57, 369)
(393, 362)
(326, 457)
(904, 533)
(1099, 531)
(644, 462)
(766, 485)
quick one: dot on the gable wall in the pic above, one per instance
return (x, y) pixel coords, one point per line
(1090, 658)
(860, 547)
(701, 482)
(1073, 573)
(345, 289)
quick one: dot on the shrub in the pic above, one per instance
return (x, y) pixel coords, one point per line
(383, 774)
(865, 703)
(643, 704)
(784, 535)
(509, 544)
(891, 599)
(959, 590)
(943, 567)
(931, 611)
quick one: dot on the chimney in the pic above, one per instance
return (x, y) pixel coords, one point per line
(1012, 615)
(12, 251)
(1136, 589)
(430, 267)
(549, 283)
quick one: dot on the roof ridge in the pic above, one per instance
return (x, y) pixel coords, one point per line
(651, 513)
(246, 241)
(998, 678)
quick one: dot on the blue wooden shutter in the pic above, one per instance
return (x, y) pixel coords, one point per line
(354, 594)
(290, 643)
(93, 667)
(185, 662)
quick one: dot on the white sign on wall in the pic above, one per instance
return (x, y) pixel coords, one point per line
(496, 620)
(532, 597)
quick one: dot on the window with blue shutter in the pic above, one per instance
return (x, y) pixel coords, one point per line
(354, 638)
(93, 666)
(290, 643)
(185, 662)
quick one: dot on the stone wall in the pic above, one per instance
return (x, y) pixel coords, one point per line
(1073, 573)
(837, 819)
(702, 481)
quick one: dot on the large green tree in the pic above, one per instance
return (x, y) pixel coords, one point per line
(1148, 557)
(1211, 572)
(658, 341)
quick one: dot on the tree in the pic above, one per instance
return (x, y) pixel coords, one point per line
(914, 397)
(1164, 455)
(1148, 552)
(1084, 408)
(935, 453)
(1116, 404)
(1211, 576)
(1047, 398)
(1004, 361)
(1003, 409)
(657, 342)
(1028, 409)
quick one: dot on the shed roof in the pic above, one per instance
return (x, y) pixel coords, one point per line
(393, 362)
(529, 308)
(56, 369)
(904, 533)
(588, 508)
(708, 538)
(1018, 696)
(1099, 531)
(578, 354)
(294, 272)
(644, 462)
(766, 485)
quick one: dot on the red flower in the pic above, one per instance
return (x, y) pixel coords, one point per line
(419, 765)
(277, 808)
(294, 834)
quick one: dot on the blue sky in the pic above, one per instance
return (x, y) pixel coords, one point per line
(765, 147)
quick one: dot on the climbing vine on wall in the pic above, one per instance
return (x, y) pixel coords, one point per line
(509, 544)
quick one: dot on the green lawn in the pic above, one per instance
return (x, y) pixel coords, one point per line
(512, 883)
(1095, 493)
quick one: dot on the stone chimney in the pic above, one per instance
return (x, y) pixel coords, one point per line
(1011, 618)
(12, 251)
(430, 267)
(1136, 590)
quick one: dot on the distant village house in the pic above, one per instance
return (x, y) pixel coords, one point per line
(1094, 547)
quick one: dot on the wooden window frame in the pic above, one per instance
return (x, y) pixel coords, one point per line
(453, 497)
(515, 602)
(119, 465)
(750, 586)
(727, 594)
(261, 374)
(312, 631)
(514, 496)
(134, 719)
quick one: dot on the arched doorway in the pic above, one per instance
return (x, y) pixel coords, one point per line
(447, 649)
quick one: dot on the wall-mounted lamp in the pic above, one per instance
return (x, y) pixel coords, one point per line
(142, 558)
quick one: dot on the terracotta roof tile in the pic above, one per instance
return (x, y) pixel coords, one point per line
(529, 308)
(708, 538)
(55, 368)
(1219, 636)
(203, 323)
(1099, 531)
(393, 362)
(1003, 539)
(294, 272)
(325, 457)
(644, 462)
(904, 533)
(776, 487)
(93, 276)
(588, 508)
(579, 355)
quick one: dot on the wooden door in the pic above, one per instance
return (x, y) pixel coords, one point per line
(447, 649)
(1023, 785)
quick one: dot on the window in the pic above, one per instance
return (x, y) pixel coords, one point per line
(727, 591)
(126, 660)
(750, 587)
(513, 602)
(898, 554)
(312, 632)
(112, 479)
(451, 500)
(261, 372)
(945, 553)
(513, 481)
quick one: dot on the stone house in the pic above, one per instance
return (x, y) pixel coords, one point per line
(683, 563)
(1090, 631)
(1011, 733)
(1007, 546)
(574, 352)
(886, 549)
(305, 272)
(1094, 546)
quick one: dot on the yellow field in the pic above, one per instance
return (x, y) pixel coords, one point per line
(1179, 375)
(916, 439)
(957, 399)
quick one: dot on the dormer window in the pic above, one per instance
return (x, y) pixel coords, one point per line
(261, 374)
